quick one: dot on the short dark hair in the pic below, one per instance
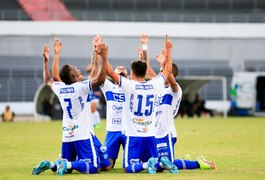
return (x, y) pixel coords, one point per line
(175, 70)
(65, 74)
(139, 67)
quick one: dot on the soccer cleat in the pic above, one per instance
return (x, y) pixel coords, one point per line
(43, 166)
(151, 165)
(61, 166)
(167, 164)
(204, 164)
(186, 157)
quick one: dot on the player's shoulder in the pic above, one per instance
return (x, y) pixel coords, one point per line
(57, 84)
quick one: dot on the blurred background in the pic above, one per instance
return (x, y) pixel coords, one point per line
(218, 47)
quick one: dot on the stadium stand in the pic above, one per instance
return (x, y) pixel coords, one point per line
(21, 84)
(11, 10)
(168, 10)
(45, 10)
(257, 65)
(220, 11)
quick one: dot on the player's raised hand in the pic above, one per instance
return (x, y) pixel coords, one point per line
(161, 58)
(98, 39)
(46, 52)
(168, 43)
(144, 38)
(57, 45)
(102, 50)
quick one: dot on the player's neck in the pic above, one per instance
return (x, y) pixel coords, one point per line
(139, 79)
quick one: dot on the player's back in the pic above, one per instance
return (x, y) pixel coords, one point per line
(139, 105)
(115, 98)
(76, 111)
(166, 105)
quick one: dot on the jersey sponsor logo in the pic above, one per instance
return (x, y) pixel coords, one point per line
(86, 160)
(160, 154)
(70, 130)
(134, 161)
(67, 90)
(111, 96)
(144, 86)
(166, 99)
(141, 122)
(118, 109)
(131, 102)
(161, 145)
(114, 107)
(116, 121)
(82, 104)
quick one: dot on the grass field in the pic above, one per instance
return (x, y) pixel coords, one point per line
(236, 145)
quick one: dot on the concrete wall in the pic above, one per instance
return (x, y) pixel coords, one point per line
(233, 43)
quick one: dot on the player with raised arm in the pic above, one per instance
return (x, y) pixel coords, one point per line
(115, 98)
(104, 161)
(77, 140)
(167, 105)
(92, 70)
(140, 151)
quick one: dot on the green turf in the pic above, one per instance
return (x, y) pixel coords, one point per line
(236, 145)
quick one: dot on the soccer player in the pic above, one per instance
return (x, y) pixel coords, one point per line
(77, 140)
(104, 161)
(138, 111)
(115, 98)
(167, 105)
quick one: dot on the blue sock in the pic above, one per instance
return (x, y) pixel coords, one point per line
(158, 167)
(133, 168)
(185, 164)
(54, 168)
(84, 168)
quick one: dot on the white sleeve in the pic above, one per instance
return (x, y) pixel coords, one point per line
(56, 86)
(159, 82)
(106, 85)
(86, 86)
(125, 84)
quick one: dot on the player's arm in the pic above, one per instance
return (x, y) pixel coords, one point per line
(111, 73)
(102, 51)
(46, 73)
(94, 65)
(56, 59)
(168, 62)
(94, 59)
(173, 83)
(145, 55)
